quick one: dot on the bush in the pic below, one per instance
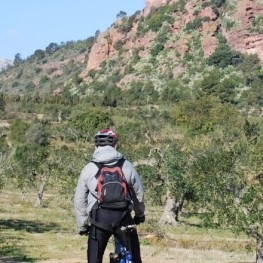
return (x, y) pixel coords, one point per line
(112, 97)
(17, 131)
(224, 56)
(37, 133)
(30, 87)
(194, 25)
(87, 122)
(157, 48)
(204, 114)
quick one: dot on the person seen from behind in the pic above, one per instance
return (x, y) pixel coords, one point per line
(96, 214)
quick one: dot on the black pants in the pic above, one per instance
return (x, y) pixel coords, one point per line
(98, 238)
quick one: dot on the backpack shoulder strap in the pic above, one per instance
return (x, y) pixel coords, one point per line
(119, 163)
(99, 165)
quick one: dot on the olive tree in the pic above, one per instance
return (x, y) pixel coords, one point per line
(175, 178)
(229, 185)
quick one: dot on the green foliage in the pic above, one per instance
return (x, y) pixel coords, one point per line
(134, 135)
(30, 86)
(251, 130)
(126, 25)
(66, 163)
(112, 97)
(180, 5)
(118, 45)
(157, 48)
(29, 164)
(212, 84)
(217, 180)
(174, 91)
(44, 79)
(254, 96)
(37, 133)
(176, 172)
(17, 60)
(257, 24)
(121, 14)
(141, 93)
(39, 54)
(38, 70)
(204, 114)
(52, 48)
(225, 189)
(158, 17)
(194, 25)
(218, 3)
(4, 147)
(2, 102)
(17, 131)
(153, 184)
(224, 56)
(250, 68)
(88, 121)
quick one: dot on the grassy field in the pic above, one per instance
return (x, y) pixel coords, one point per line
(48, 235)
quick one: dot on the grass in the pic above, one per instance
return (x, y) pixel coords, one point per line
(29, 234)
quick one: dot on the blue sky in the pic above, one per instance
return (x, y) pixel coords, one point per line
(28, 25)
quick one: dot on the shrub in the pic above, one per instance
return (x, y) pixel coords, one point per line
(17, 131)
(44, 79)
(157, 48)
(38, 70)
(257, 24)
(224, 56)
(30, 86)
(37, 133)
(126, 24)
(204, 114)
(194, 25)
(118, 45)
(88, 121)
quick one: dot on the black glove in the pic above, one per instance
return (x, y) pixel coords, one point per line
(85, 231)
(137, 220)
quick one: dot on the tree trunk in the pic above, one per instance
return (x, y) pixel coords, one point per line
(260, 250)
(40, 195)
(169, 214)
(178, 208)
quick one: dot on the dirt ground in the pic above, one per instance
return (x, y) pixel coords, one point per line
(152, 254)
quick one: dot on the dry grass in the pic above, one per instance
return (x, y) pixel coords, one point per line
(48, 235)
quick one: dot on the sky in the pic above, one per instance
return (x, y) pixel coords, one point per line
(28, 25)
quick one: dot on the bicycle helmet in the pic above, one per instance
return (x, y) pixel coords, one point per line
(106, 137)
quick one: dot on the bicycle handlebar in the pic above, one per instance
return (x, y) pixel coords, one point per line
(124, 228)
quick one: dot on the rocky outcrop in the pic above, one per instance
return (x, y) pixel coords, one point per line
(242, 37)
(149, 4)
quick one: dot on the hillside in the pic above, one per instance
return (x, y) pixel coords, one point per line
(169, 41)
(180, 81)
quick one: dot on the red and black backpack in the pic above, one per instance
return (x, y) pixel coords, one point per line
(112, 188)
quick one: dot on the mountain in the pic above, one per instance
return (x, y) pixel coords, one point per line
(240, 22)
(4, 63)
(168, 41)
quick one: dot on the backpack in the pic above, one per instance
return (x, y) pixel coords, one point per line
(112, 188)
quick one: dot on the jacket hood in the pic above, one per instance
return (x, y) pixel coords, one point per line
(106, 154)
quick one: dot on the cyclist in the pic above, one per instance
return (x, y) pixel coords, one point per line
(100, 223)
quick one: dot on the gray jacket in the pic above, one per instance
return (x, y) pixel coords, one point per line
(85, 194)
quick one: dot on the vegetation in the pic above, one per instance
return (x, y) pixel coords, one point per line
(191, 124)
(51, 235)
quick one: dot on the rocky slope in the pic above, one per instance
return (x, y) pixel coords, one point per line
(168, 38)
(237, 14)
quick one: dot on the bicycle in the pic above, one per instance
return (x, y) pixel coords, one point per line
(122, 254)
